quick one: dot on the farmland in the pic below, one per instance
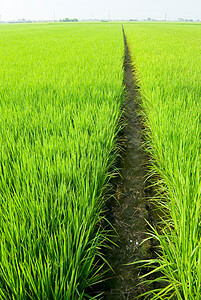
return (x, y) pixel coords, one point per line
(166, 59)
(62, 93)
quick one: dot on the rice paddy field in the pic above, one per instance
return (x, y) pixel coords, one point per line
(61, 97)
(166, 59)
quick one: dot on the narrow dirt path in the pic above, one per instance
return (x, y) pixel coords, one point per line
(128, 216)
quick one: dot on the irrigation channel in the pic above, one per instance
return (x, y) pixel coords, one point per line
(129, 213)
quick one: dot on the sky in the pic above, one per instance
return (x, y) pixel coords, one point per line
(100, 9)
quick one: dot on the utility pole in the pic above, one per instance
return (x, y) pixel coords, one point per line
(165, 17)
(109, 16)
(54, 16)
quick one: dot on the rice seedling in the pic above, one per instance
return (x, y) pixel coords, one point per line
(60, 97)
(166, 59)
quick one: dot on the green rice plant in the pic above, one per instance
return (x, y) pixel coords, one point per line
(166, 59)
(60, 97)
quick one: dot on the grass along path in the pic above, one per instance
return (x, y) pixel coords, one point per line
(59, 110)
(165, 57)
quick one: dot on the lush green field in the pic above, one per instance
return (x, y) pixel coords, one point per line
(61, 91)
(60, 97)
(166, 58)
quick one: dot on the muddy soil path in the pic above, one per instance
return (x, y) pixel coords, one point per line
(129, 214)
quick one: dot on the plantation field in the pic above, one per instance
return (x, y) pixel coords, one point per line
(60, 97)
(166, 59)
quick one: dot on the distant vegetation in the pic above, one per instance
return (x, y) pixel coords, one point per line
(68, 20)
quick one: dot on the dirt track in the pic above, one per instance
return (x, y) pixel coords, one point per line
(127, 213)
(128, 216)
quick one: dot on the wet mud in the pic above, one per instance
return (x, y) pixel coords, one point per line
(127, 213)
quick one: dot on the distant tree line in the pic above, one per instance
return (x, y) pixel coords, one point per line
(69, 20)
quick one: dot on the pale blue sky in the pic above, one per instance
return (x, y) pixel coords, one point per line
(85, 9)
